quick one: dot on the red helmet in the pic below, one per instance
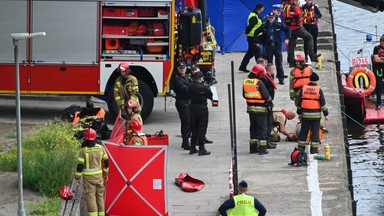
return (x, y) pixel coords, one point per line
(300, 57)
(90, 134)
(258, 69)
(136, 125)
(124, 66)
(131, 103)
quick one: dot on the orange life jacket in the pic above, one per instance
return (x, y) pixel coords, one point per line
(138, 139)
(310, 97)
(252, 93)
(309, 15)
(301, 77)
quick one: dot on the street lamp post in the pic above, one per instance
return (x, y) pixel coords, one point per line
(16, 37)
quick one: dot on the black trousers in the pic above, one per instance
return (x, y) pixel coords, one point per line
(306, 125)
(308, 43)
(183, 109)
(271, 51)
(252, 51)
(258, 126)
(314, 31)
(379, 83)
(200, 116)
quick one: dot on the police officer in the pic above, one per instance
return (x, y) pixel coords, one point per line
(258, 103)
(310, 103)
(126, 87)
(198, 94)
(254, 22)
(181, 83)
(92, 157)
(272, 40)
(242, 204)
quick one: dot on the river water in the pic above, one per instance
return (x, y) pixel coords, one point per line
(366, 142)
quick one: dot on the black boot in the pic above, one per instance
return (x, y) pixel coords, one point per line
(203, 151)
(263, 150)
(207, 141)
(193, 149)
(253, 148)
(313, 150)
(271, 145)
(185, 145)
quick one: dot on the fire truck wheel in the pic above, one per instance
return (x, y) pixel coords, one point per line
(146, 99)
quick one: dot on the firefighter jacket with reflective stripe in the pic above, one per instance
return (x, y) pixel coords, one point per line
(244, 206)
(126, 89)
(91, 160)
(298, 78)
(256, 96)
(310, 97)
(128, 131)
(292, 16)
(138, 139)
(311, 102)
(311, 14)
(250, 30)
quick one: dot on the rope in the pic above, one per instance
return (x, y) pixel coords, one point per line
(346, 114)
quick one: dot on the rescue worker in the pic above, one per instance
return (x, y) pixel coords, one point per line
(272, 41)
(267, 78)
(293, 18)
(198, 94)
(93, 166)
(280, 119)
(131, 109)
(194, 69)
(126, 87)
(180, 86)
(299, 76)
(258, 103)
(254, 22)
(137, 136)
(378, 69)
(311, 14)
(310, 104)
(242, 204)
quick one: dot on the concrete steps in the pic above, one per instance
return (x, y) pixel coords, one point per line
(324, 41)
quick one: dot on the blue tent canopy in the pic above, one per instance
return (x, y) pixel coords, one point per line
(229, 18)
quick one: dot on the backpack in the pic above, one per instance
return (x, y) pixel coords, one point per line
(298, 157)
(68, 113)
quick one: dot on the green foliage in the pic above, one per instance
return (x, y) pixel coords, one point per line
(47, 206)
(8, 160)
(49, 157)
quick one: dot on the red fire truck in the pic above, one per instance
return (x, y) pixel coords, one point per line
(85, 42)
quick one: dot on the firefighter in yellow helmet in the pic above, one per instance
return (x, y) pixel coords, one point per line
(126, 87)
(93, 165)
(242, 204)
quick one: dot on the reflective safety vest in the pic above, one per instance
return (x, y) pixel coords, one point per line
(138, 139)
(251, 91)
(244, 206)
(309, 15)
(301, 78)
(92, 158)
(125, 89)
(310, 97)
(258, 24)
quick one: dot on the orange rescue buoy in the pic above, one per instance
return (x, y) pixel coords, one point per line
(367, 75)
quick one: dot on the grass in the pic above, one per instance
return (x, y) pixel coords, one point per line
(49, 161)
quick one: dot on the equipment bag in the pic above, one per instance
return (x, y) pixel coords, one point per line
(156, 29)
(298, 157)
(141, 30)
(132, 27)
(188, 183)
(69, 112)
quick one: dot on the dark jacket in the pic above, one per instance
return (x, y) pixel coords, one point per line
(180, 86)
(199, 93)
(277, 28)
(268, 85)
